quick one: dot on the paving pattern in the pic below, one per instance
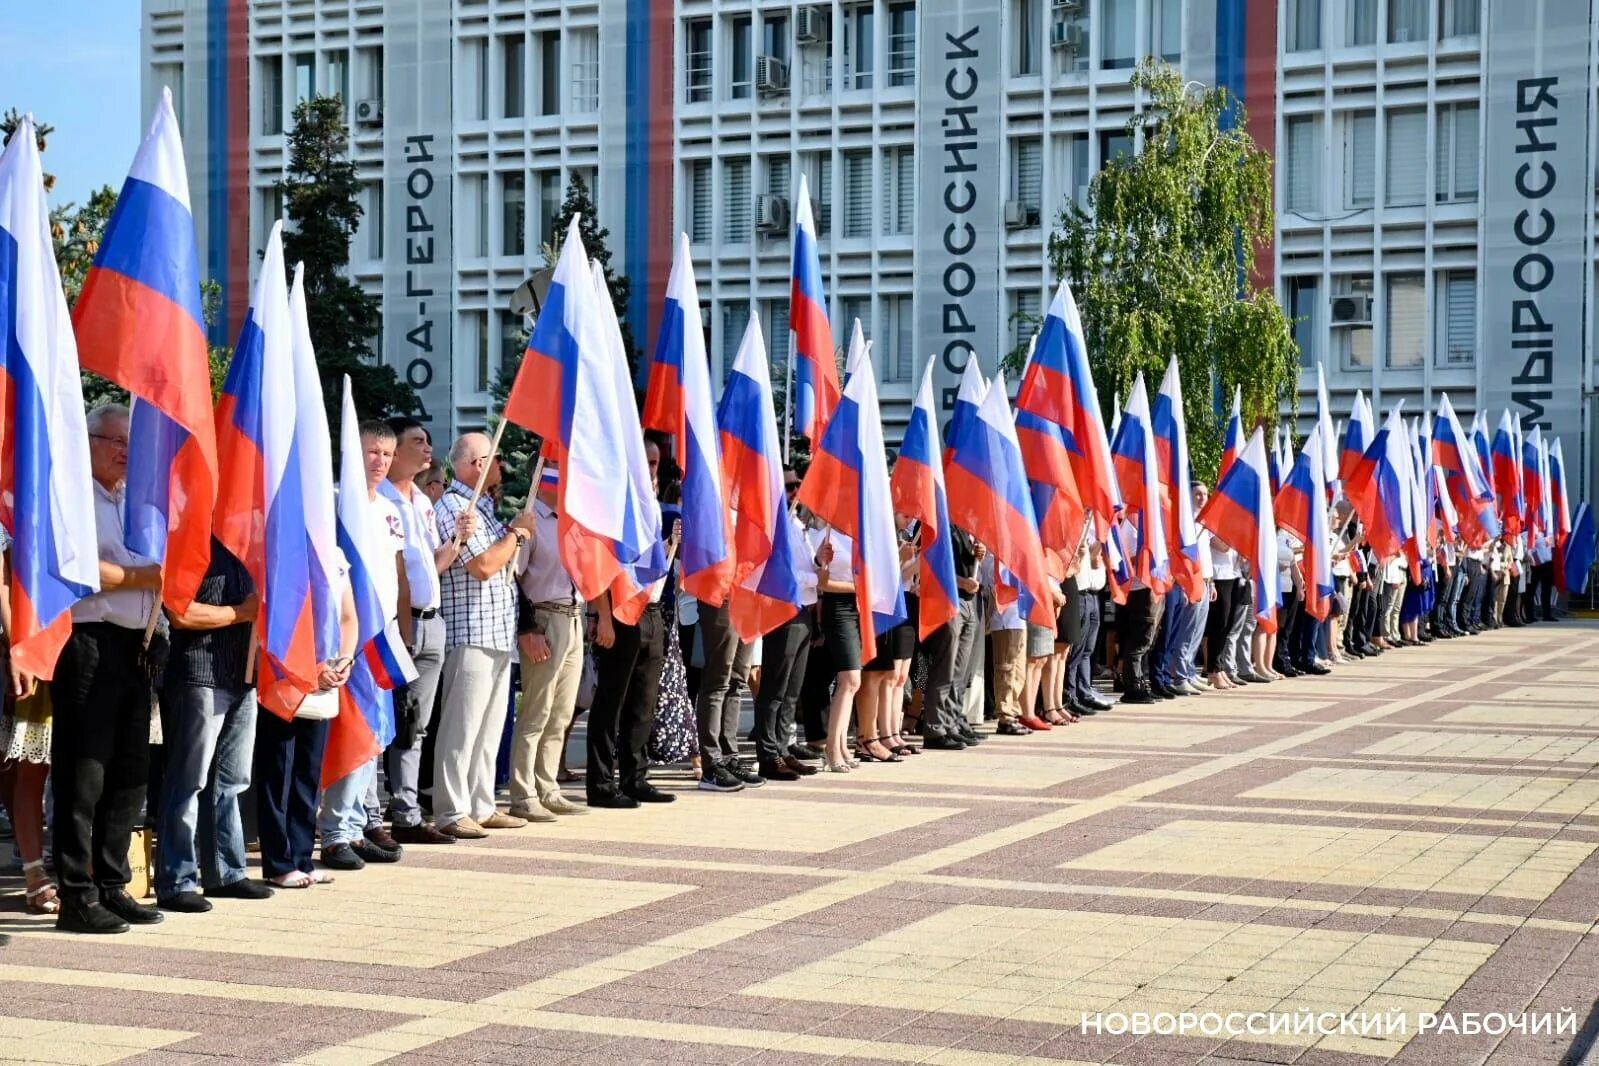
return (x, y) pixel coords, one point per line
(1416, 834)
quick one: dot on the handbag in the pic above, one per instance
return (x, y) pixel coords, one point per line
(319, 706)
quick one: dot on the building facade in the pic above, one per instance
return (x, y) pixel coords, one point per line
(1435, 182)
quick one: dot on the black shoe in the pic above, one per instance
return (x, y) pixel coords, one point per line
(185, 903)
(1163, 692)
(803, 753)
(421, 833)
(749, 777)
(1138, 694)
(772, 771)
(1080, 709)
(1099, 703)
(942, 742)
(796, 767)
(243, 888)
(1287, 669)
(1011, 728)
(341, 857)
(715, 777)
(614, 801)
(88, 918)
(373, 853)
(968, 735)
(130, 910)
(648, 793)
(381, 839)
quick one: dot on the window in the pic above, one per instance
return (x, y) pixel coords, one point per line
(1072, 165)
(735, 321)
(1304, 25)
(851, 308)
(550, 72)
(304, 77)
(549, 186)
(371, 223)
(1351, 336)
(1406, 320)
(1360, 159)
(1459, 18)
(1166, 34)
(339, 75)
(585, 71)
(513, 339)
(779, 181)
(902, 44)
(1407, 21)
(475, 339)
(1026, 307)
(271, 209)
(1117, 43)
(898, 360)
(777, 341)
(1113, 144)
(513, 217)
(899, 184)
(513, 86)
(369, 65)
(860, 41)
(697, 60)
(699, 200)
(1302, 184)
(1304, 307)
(774, 36)
(1407, 157)
(475, 213)
(1027, 177)
(741, 76)
(272, 95)
(1458, 320)
(475, 68)
(1027, 45)
(819, 168)
(857, 193)
(1360, 22)
(1457, 152)
(736, 214)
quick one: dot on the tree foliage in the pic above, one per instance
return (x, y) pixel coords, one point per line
(322, 209)
(1159, 262)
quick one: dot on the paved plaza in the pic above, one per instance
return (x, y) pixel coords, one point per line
(1415, 834)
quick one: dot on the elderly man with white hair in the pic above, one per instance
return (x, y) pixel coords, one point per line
(478, 601)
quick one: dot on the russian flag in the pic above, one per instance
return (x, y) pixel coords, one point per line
(765, 586)
(968, 398)
(1505, 459)
(1301, 508)
(816, 391)
(365, 722)
(1240, 514)
(1479, 444)
(140, 325)
(315, 447)
(847, 487)
(261, 514)
(988, 496)
(1051, 484)
(1560, 510)
(1329, 437)
(858, 347)
(1232, 441)
(1170, 429)
(679, 402)
(1275, 460)
(1380, 488)
(46, 494)
(1058, 385)
(1357, 436)
(1532, 481)
(1579, 551)
(1467, 485)
(917, 486)
(1136, 458)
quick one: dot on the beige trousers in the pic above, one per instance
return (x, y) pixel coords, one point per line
(549, 698)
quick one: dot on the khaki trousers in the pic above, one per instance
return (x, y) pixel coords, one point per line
(1010, 672)
(549, 698)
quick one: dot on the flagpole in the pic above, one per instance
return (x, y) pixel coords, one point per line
(788, 400)
(149, 623)
(483, 474)
(249, 662)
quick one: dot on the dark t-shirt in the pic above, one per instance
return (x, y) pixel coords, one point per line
(214, 658)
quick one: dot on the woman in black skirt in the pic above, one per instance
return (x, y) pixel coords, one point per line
(841, 633)
(877, 718)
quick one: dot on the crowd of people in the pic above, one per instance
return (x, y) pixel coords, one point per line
(479, 601)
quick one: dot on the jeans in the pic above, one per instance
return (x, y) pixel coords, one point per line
(414, 714)
(210, 738)
(343, 816)
(1185, 625)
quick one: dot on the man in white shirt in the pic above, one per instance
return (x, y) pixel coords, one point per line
(427, 555)
(784, 655)
(100, 743)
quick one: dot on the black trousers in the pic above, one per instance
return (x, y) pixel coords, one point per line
(1541, 592)
(1137, 625)
(1217, 623)
(1080, 660)
(288, 771)
(785, 651)
(624, 705)
(816, 691)
(950, 651)
(99, 756)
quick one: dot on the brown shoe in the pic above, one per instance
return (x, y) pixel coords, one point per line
(465, 829)
(501, 820)
(382, 838)
(793, 765)
(421, 834)
(530, 812)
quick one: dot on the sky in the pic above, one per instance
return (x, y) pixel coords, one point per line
(75, 65)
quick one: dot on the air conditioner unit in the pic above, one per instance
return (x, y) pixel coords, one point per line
(1067, 7)
(771, 214)
(1351, 309)
(1019, 215)
(771, 75)
(810, 25)
(1068, 36)
(369, 112)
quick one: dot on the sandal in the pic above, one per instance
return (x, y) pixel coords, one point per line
(900, 747)
(292, 879)
(1057, 716)
(41, 897)
(864, 754)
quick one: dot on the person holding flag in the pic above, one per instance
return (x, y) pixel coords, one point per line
(1143, 531)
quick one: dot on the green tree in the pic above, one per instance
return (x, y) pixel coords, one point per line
(322, 212)
(1160, 262)
(579, 204)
